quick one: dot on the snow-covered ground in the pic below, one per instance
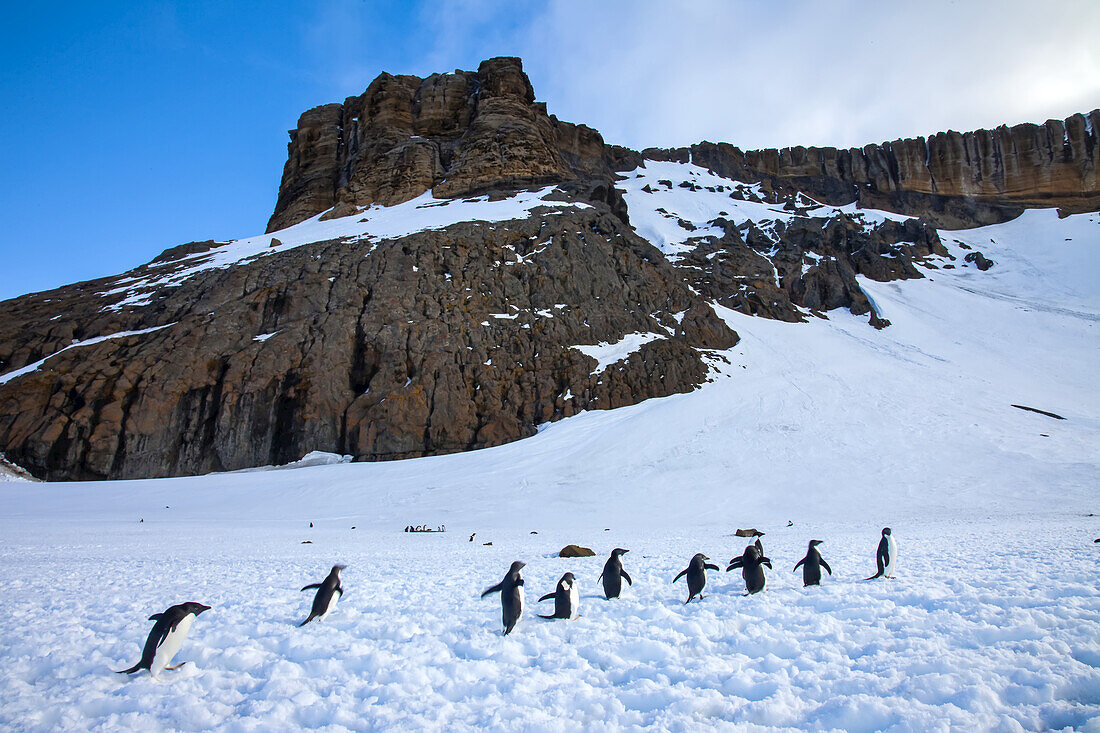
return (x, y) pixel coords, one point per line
(993, 622)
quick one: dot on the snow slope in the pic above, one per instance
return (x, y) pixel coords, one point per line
(992, 623)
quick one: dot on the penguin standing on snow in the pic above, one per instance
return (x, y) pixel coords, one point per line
(696, 572)
(613, 574)
(752, 563)
(566, 598)
(166, 638)
(812, 564)
(511, 596)
(886, 556)
(329, 592)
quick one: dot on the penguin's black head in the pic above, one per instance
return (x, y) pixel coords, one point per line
(815, 543)
(619, 551)
(338, 568)
(568, 578)
(885, 531)
(517, 566)
(700, 557)
(195, 608)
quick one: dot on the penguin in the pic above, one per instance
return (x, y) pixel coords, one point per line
(166, 638)
(566, 598)
(613, 574)
(696, 572)
(812, 564)
(752, 564)
(759, 545)
(472, 536)
(886, 556)
(329, 591)
(511, 596)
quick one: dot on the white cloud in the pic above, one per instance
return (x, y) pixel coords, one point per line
(652, 73)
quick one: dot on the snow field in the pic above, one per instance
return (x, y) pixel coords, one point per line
(988, 626)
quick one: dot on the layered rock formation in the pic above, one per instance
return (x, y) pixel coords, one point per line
(437, 342)
(951, 179)
(471, 334)
(453, 134)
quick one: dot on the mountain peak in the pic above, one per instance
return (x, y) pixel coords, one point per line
(452, 134)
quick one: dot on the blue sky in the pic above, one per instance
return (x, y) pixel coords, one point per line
(139, 126)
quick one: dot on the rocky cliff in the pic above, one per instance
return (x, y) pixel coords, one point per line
(479, 268)
(950, 179)
(453, 134)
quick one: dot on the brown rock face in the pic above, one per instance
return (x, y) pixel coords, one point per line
(951, 179)
(450, 133)
(437, 342)
(464, 337)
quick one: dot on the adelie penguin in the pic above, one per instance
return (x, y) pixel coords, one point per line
(752, 564)
(696, 573)
(511, 596)
(812, 564)
(566, 598)
(329, 592)
(167, 637)
(613, 574)
(886, 556)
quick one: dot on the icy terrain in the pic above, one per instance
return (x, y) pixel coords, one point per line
(992, 623)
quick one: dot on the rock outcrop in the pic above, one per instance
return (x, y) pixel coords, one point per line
(452, 134)
(437, 342)
(950, 179)
(472, 334)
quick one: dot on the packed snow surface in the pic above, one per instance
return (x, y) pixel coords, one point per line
(991, 624)
(673, 203)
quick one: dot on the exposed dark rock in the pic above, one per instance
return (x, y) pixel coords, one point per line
(950, 179)
(454, 134)
(392, 355)
(576, 551)
(979, 260)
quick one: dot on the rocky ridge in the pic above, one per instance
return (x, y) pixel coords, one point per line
(449, 266)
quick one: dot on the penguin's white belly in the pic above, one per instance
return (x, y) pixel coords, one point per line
(331, 604)
(574, 601)
(892, 551)
(171, 645)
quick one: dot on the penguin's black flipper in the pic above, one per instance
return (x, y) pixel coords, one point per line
(735, 563)
(627, 576)
(494, 589)
(879, 574)
(682, 574)
(800, 563)
(826, 566)
(548, 595)
(311, 585)
(156, 617)
(548, 618)
(708, 566)
(766, 561)
(340, 590)
(133, 669)
(309, 618)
